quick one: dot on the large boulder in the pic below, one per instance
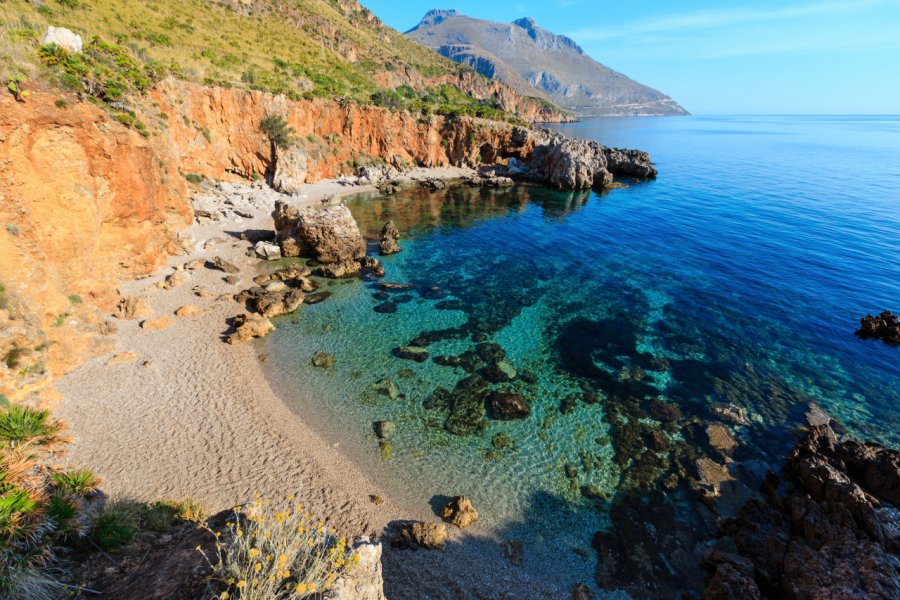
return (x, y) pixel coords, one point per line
(291, 167)
(390, 235)
(64, 38)
(247, 327)
(460, 512)
(329, 235)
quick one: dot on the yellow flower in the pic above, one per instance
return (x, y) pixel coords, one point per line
(254, 552)
(241, 584)
(301, 588)
(257, 568)
(224, 596)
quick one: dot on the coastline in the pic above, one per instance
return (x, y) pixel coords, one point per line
(193, 417)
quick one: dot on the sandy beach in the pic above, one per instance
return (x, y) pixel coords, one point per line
(190, 416)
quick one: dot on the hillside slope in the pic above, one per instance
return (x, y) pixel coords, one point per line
(301, 48)
(535, 61)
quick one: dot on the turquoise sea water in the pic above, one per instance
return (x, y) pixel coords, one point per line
(735, 281)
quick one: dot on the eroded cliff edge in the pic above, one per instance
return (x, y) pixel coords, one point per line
(87, 201)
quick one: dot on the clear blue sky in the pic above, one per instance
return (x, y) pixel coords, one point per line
(723, 57)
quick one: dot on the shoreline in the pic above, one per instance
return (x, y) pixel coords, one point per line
(190, 416)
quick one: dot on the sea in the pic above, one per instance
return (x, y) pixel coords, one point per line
(700, 316)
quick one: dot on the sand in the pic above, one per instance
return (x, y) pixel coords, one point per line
(176, 413)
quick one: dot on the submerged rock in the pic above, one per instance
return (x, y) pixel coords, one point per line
(460, 512)
(385, 429)
(412, 353)
(501, 372)
(508, 407)
(386, 308)
(885, 327)
(390, 235)
(387, 387)
(323, 360)
(467, 409)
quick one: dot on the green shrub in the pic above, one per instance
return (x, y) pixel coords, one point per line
(78, 482)
(194, 178)
(116, 524)
(276, 127)
(75, 299)
(60, 103)
(19, 424)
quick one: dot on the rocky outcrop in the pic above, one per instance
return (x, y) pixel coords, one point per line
(835, 533)
(291, 169)
(365, 581)
(64, 38)
(329, 235)
(460, 512)
(885, 327)
(248, 327)
(569, 163)
(390, 235)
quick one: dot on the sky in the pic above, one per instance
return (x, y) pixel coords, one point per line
(722, 57)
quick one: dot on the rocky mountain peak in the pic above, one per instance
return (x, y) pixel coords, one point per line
(436, 16)
(546, 39)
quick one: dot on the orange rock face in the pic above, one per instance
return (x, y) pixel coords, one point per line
(86, 202)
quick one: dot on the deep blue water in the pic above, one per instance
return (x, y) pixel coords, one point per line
(735, 280)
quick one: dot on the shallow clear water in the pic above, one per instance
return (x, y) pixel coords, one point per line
(737, 278)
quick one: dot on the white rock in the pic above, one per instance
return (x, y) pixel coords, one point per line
(267, 250)
(291, 165)
(63, 38)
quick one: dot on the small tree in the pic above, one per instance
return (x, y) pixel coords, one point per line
(276, 127)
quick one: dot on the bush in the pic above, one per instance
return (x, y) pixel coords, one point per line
(274, 552)
(193, 178)
(116, 524)
(276, 127)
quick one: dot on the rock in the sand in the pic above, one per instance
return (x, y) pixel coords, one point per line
(508, 407)
(64, 38)
(119, 359)
(248, 327)
(885, 327)
(291, 167)
(232, 279)
(390, 235)
(412, 353)
(329, 235)
(131, 307)
(156, 323)
(365, 581)
(220, 264)
(323, 360)
(385, 429)
(267, 251)
(460, 512)
(187, 311)
(174, 280)
(430, 536)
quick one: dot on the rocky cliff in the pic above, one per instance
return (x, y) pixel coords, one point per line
(86, 201)
(537, 62)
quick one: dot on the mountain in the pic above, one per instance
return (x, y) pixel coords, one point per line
(537, 62)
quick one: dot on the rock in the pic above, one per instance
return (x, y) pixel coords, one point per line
(460, 512)
(833, 533)
(232, 279)
(323, 360)
(365, 581)
(395, 287)
(490, 353)
(885, 327)
(276, 304)
(387, 387)
(514, 550)
(376, 500)
(339, 270)
(64, 38)
(412, 353)
(317, 298)
(247, 327)
(501, 372)
(188, 310)
(156, 324)
(592, 492)
(712, 475)
(720, 438)
(328, 235)
(582, 592)
(466, 406)
(124, 357)
(386, 449)
(220, 264)
(508, 407)
(386, 308)
(430, 536)
(267, 251)
(131, 307)
(291, 167)
(372, 266)
(390, 235)
(433, 292)
(385, 429)
(174, 280)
